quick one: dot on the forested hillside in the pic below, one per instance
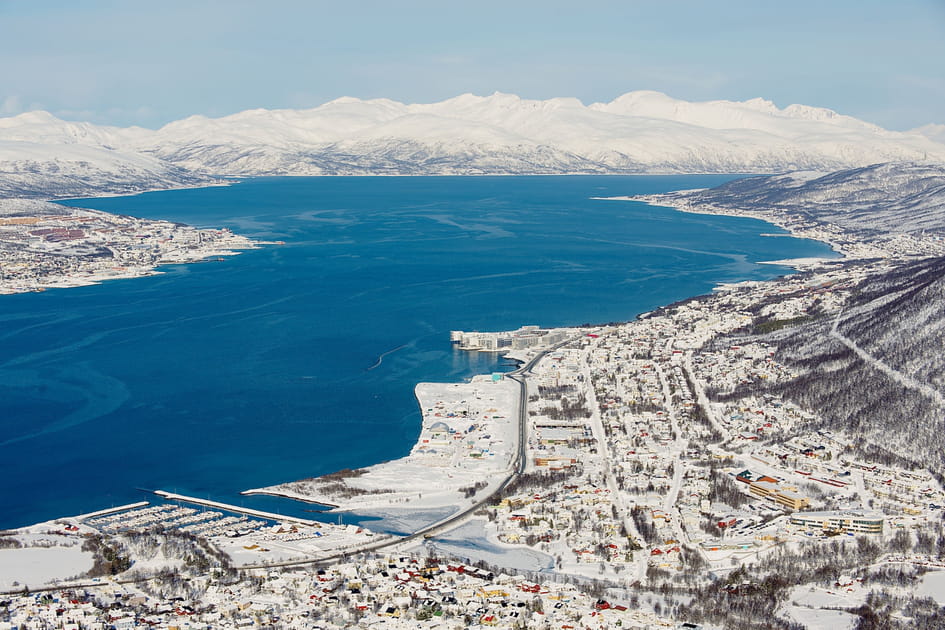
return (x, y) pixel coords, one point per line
(878, 369)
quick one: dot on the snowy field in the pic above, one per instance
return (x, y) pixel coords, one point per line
(933, 585)
(471, 542)
(465, 449)
(36, 566)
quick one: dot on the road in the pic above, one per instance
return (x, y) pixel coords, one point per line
(903, 379)
(604, 455)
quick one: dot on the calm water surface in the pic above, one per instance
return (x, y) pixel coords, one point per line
(217, 377)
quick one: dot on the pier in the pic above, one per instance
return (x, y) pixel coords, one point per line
(170, 496)
(113, 510)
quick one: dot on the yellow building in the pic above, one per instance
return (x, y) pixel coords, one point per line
(782, 496)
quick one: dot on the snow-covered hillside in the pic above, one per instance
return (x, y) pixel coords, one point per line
(879, 199)
(44, 157)
(878, 370)
(933, 132)
(49, 170)
(639, 132)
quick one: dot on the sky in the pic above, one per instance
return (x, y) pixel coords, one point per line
(148, 63)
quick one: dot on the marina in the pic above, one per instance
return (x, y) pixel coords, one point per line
(235, 508)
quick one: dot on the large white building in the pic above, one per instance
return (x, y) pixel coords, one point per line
(522, 339)
(856, 521)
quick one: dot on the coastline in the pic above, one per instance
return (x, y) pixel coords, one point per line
(236, 242)
(381, 506)
(464, 448)
(794, 226)
(223, 181)
(366, 503)
(48, 245)
(630, 469)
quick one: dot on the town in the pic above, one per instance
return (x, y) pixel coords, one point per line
(45, 245)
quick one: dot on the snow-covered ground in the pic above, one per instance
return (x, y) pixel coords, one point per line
(933, 585)
(36, 555)
(50, 169)
(819, 619)
(474, 541)
(36, 566)
(45, 245)
(465, 449)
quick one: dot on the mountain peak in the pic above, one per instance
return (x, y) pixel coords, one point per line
(36, 117)
(638, 132)
(633, 101)
(758, 103)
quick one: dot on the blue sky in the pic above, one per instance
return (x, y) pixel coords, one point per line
(148, 63)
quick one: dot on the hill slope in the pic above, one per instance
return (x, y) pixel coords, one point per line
(878, 369)
(880, 199)
(44, 171)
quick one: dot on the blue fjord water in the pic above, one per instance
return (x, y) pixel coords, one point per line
(295, 360)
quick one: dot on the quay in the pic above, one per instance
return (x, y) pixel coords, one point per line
(170, 496)
(112, 510)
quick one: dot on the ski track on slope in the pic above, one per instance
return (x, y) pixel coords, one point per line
(903, 379)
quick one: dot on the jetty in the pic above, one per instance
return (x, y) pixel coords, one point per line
(171, 496)
(112, 510)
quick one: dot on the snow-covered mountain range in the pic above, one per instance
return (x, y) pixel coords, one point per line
(639, 132)
(44, 157)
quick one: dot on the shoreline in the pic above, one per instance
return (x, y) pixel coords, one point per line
(262, 492)
(48, 245)
(464, 446)
(589, 525)
(108, 195)
(335, 507)
(665, 200)
(238, 242)
(181, 498)
(800, 264)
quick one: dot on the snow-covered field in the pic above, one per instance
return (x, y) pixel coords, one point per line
(933, 585)
(465, 449)
(44, 552)
(36, 566)
(818, 619)
(474, 541)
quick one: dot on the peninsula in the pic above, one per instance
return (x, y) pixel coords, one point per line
(45, 245)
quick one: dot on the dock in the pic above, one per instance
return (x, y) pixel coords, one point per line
(170, 496)
(113, 510)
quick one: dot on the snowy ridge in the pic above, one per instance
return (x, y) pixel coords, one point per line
(42, 127)
(880, 199)
(933, 132)
(639, 132)
(44, 170)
